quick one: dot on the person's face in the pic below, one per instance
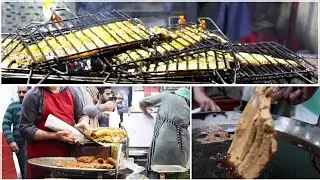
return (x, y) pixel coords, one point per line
(119, 99)
(106, 95)
(22, 92)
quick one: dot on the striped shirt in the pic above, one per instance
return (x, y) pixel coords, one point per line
(11, 118)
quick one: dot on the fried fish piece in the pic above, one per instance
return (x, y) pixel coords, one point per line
(112, 161)
(86, 159)
(255, 138)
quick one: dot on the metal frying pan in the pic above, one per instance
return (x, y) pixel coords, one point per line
(298, 146)
(50, 162)
(65, 172)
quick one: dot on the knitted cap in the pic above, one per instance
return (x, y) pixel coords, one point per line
(183, 92)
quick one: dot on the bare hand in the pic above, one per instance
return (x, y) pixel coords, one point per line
(294, 95)
(63, 136)
(85, 126)
(109, 106)
(148, 112)
(14, 147)
(206, 104)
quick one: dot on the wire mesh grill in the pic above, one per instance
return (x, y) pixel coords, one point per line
(270, 61)
(114, 45)
(79, 37)
(180, 39)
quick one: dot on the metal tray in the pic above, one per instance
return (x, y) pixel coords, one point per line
(168, 169)
(50, 162)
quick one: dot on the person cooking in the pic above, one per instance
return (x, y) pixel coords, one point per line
(170, 143)
(62, 102)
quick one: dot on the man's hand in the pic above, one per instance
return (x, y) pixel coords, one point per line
(148, 112)
(14, 147)
(206, 104)
(109, 106)
(294, 95)
(85, 126)
(63, 136)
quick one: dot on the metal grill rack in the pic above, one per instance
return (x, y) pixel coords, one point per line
(36, 32)
(143, 62)
(272, 63)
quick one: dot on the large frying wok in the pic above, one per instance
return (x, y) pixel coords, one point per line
(298, 147)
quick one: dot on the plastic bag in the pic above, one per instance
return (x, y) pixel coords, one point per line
(129, 163)
(114, 119)
(57, 124)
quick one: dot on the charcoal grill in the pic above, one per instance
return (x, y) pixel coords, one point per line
(102, 65)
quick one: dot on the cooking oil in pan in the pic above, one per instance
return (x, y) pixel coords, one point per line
(211, 161)
(224, 168)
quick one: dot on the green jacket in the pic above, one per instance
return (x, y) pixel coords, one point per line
(11, 119)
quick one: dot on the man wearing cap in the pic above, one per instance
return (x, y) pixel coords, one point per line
(170, 143)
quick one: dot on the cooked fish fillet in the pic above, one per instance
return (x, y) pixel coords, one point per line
(86, 159)
(108, 135)
(181, 39)
(112, 161)
(79, 42)
(96, 164)
(255, 139)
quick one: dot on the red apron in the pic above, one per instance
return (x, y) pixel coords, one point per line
(60, 105)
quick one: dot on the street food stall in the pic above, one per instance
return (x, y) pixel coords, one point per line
(116, 152)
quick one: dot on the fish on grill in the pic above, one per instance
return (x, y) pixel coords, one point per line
(263, 59)
(204, 61)
(11, 46)
(181, 39)
(185, 31)
(83, 41)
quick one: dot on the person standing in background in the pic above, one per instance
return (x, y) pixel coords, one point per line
(122, 108)
(99, 112)
(170, 143)
(12, 118)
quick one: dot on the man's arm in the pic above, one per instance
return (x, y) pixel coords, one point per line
(93, 110)
(28, 117)
(79, 111)
(206, 104)
(7, 123)
(152, 101)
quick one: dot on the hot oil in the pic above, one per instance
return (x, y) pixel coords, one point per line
(225, 169)
(211, 161)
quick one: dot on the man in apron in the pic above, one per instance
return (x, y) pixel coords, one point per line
(62, 102)
(170, 144)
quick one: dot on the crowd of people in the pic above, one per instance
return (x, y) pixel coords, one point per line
(86, 107)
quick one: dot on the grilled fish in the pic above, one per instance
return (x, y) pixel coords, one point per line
(79, 42)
